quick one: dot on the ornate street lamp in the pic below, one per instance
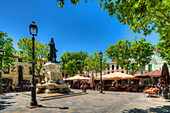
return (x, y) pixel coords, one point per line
(33, 31)
(1, 54)
(101, 55)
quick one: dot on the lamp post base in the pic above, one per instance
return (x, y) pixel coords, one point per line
(33, 103)
(101, 90)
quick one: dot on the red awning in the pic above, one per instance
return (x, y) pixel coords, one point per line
(156, 73)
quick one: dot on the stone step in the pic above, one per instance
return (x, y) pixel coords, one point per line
(61, 96)
(44, 96)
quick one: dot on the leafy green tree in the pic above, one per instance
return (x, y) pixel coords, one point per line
(140, 15)
(164, 50)
(143, 16)
(121, 53)
(131, 55)
(7, 45)
(41, 53)
(141, 52)
(73, 63)
(93, 62)
(72, 67)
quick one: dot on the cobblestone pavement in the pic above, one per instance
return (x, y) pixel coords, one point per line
(93, 102)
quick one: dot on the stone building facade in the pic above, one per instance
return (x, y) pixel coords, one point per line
(11, 74)
(113, 67)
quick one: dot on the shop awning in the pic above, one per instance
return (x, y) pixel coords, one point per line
(156, 73)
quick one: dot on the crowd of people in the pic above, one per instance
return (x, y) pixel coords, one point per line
(16, 87)
(160, 87)
(108, 86)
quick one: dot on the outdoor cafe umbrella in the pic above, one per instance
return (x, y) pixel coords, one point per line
(77, 77)
(92, 80)
(165, 74)
(116, 75)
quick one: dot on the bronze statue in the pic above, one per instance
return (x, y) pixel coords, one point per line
(52, 55)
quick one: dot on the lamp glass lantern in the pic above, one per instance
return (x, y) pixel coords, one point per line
(100, 54)
(33, 29)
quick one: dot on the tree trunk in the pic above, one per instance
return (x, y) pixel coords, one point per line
(132, 72)
(40, 77)
(127, 71)
(92, 79)
(88, 72)
(96, 73)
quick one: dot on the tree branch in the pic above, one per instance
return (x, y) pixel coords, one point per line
(143, 26)
(162, 13)
(159, 17)
(142, 11)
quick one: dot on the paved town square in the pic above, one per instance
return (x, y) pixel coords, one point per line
(92, 102)
(85, 56)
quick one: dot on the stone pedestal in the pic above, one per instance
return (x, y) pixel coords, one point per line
(52, 72)
(52, 78)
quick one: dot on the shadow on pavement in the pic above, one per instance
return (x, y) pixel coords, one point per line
(5, 104)
(6, 97)
(55, 107)
(159, 109)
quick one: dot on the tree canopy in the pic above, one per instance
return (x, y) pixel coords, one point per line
(141, 52)
(121, 53)
(164, 50)
(9, 51)
(41, 53)
(140, 15)
(131, 55)
(93, 62)
(73, 63)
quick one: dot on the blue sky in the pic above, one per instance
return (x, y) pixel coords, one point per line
(83, 27)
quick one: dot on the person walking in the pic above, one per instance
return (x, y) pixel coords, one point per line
(11, 89)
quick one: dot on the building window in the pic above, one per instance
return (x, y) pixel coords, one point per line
(122, 68)
(108, 70)
(19, 60)
(150, 67)
(20, 67)
(13, 69)
(30, 70)
(6, 70)
(142, 69)
(117, 67)
(113, 68)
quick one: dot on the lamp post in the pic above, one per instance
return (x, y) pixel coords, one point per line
(1, 54)
(100, 54)
(33, 31)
